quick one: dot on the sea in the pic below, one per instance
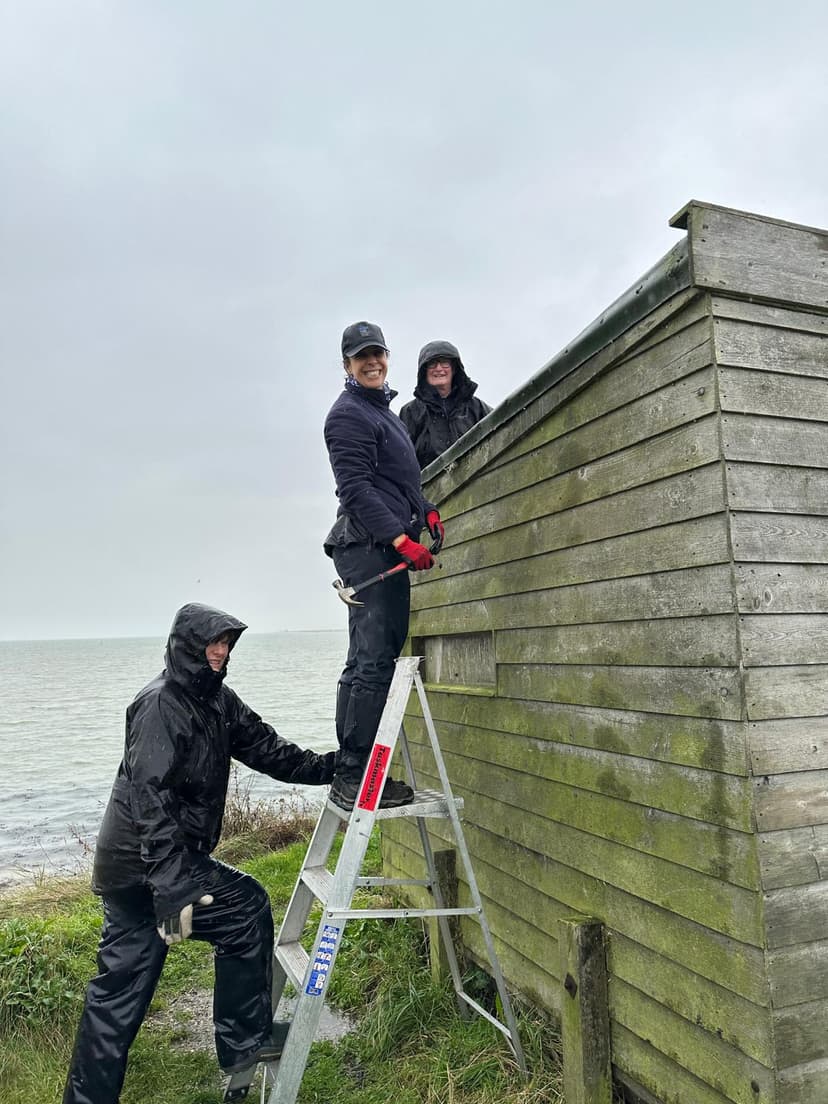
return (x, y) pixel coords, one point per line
(62, 705)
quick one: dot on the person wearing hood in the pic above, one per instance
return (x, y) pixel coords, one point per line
(444, 406)
(153, 866)
(380, 517)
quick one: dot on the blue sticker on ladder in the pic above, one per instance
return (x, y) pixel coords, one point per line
(321, 966)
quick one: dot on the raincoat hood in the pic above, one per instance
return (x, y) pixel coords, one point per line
(461, 386)
(193, 628)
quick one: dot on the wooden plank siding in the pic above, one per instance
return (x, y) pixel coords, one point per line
(626, 649)
(774, 395)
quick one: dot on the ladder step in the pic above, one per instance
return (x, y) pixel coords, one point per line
(426, 803)
(294, 959)
(319, 882)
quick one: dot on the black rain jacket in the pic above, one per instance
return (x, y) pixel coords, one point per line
(376, 471)
(181, 732)
(434, 423)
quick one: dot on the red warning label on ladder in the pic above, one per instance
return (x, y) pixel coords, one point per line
(377, 768)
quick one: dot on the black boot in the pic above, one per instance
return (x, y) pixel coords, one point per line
(345, 788)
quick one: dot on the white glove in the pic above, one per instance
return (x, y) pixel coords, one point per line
(173, 929)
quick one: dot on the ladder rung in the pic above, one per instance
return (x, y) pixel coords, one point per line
(319, 881)
(397, 914)
(426, 803)
(294, 959)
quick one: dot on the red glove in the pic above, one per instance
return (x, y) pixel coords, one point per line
(417, 555)
(435, 527)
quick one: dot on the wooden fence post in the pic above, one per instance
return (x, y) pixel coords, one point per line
(584, 1012)
(445, 863)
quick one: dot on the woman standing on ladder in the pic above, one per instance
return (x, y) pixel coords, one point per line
(380, 517)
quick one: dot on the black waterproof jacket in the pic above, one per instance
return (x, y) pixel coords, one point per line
(376, 470)
(434, 423)
(181, 732)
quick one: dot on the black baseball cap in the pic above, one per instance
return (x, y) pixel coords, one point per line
(359, 335)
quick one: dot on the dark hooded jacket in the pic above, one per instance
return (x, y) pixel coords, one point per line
(376, 470)
(168, 799)
(435, 423)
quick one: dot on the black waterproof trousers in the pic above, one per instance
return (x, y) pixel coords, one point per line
(376, 635)
(131, 954)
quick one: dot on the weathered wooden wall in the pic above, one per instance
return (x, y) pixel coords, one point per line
(774, 398)
(626, 650)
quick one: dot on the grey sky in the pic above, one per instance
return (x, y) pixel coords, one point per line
(196, 197)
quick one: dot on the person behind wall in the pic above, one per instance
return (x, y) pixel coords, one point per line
(153, 867)
(380, 517)
(444, 406)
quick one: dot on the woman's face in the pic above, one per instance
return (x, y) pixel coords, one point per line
(369, 367)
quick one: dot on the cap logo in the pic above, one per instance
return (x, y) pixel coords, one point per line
(363, 331)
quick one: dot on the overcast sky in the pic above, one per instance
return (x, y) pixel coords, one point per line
(197, 196)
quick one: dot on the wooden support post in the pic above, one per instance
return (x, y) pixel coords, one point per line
(445, 863)
(584, 1012)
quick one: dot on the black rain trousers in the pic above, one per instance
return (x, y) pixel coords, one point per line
(376, 635)
(131, 955)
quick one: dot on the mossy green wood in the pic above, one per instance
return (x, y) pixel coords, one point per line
(492, 448)
(724, 1068)
(679, 450)
(730, 909)
(601, 387)
(738, 1022)
(585, 1033)
(691, 691)
(583, 429)
(531, 527)
(668, 1082)
(689, 592)
(710, 744)
(666, 642)
(730, 963)
(507, 537)
(630, 791)
(694, 543)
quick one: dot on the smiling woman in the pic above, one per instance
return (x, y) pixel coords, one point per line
(381, 514)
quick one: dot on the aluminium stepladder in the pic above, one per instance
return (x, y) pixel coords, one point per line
(310, 973)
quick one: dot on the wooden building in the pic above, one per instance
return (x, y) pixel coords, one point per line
(626, 654)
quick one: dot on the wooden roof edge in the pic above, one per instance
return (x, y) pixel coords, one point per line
(669, 276)
(681, 219)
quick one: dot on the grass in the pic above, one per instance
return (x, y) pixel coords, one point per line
(409, 1046)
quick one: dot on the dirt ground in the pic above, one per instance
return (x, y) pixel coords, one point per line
(191, 1015)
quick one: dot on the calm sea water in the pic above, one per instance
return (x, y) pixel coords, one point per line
(62, 706)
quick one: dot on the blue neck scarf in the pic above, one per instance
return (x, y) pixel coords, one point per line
(352, 385)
